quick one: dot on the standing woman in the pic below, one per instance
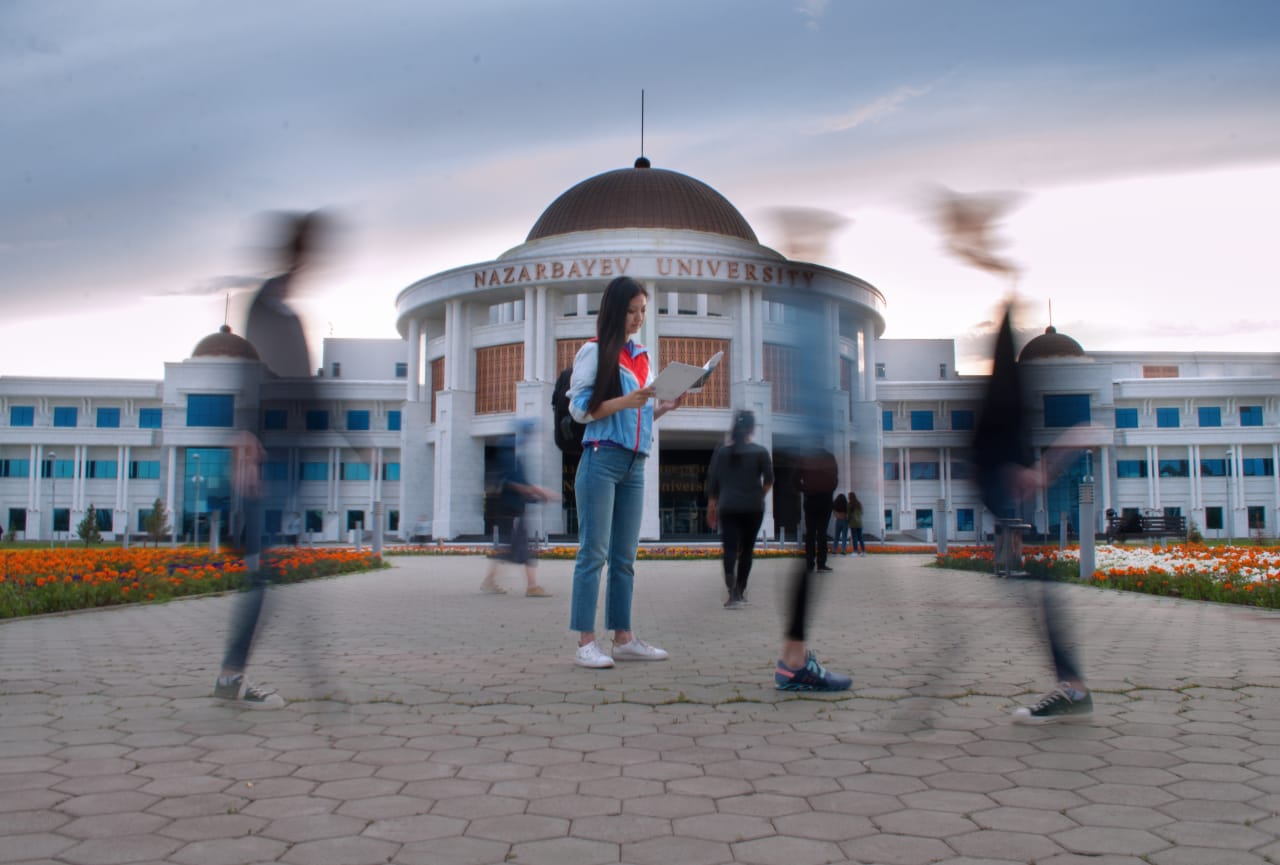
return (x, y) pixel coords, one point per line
(611, 392)
(855, 525)
(740, 476)
(840, 510)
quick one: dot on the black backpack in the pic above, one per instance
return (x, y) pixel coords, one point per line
(568, 431)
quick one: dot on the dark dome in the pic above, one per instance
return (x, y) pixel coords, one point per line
(224, 343)
(1051, 344)
(641, 197)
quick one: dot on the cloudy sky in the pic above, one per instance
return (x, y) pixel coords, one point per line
(142, 139)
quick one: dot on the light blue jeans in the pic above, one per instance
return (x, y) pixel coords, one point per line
(610, 495)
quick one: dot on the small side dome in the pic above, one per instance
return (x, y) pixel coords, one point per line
(1050, 344)
(224, 343)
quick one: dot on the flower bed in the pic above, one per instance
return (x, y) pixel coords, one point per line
(660, 552)
(1234, 575)
(34, 581)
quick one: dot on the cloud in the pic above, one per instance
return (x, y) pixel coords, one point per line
(214, 285)
(812, 10)
(873, 111)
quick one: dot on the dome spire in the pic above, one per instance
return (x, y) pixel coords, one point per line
(642, 161)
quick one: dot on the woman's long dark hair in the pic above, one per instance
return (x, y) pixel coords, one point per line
(853, 502)
(744, 424)
(611, 336)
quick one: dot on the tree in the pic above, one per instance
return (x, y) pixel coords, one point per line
(157, 523)
(87, 530)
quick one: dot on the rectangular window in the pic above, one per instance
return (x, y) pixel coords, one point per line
(355, 520)
(921, 421)
(402, 370)
(22, 415)
(106, 518)
(314, 472)
(393, 520)
(1159, 371)
(108, 418)
(147, 470)
(17, 519)
(65, 415)
(1257, 517)
(924, 518)
(1168, 418)
(1213, 518)
(211, 410)
(275, 471)
(1213, 468)
(880, 372)
(15, 468)
(891, 471)
(962, 419)
(317, 420)
(498, 368)
(961, 470)
(62, 519)
(357, 419)
(275, 419)
(888, 520)
(1131, 468)
(1257, 467)
(1210, 415)
(273, 521)
(924, 471)
(393, 421)
(100, 469)
(150, 418)
(964, 519)
(315, 521)
(1250, 415)
(353, 472)
(337, 370)
(886, 421)
(391, 471)
(1066, 409)
(1126, 418)
(1174, 469)
(58, 469)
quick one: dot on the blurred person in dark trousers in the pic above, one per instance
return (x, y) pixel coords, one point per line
(740, 476)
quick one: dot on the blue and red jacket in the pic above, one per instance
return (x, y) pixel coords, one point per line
(630, 428)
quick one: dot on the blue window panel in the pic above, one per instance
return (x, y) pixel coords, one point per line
(891, 471)
(357, 419)
(961, 470)
(1174, 469)
(147, 470)
(105, 518)
(100, 469)
(886, 421)
(1258, 467)
(314, 472)
(962, 419)
(1126, 418)
(1131, 468)
(59, 469)
(964, 519)
(888, 520)
(150, 418)
(1250, 415)
(211, 410)
(393, 421)
(354, 472)
(1066, 409)
(391, 471)
(1210, 415)
(402, 370)
(275, 419)
(108, 418)
(1214, 468)
(922, 421)
(924, 471)
(1168, 418)
(22, 415)
(317, 420)
(15, 468)
(924, 518)
(275, 471)
(65, 415)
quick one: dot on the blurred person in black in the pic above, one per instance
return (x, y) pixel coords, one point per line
(740, 476)
(1008, 475)
(276, 332)
(810, 401)
(818, 479)
(514, 493)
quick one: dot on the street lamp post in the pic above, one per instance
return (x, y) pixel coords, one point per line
(1231, 517)
(195, 508)
(53, 496)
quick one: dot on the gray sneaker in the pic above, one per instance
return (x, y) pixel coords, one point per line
(240, 690)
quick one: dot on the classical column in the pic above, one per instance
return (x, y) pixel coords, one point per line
(412, 392)
(530, 335)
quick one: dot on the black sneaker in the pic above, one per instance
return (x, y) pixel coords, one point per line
(1057, 705)
(239, 690)
(823, 569)
(811, 677)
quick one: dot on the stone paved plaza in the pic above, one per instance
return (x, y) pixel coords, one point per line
(429, 723)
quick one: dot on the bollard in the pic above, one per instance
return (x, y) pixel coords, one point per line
(215, 525)
(1088, 557)
(941, 522)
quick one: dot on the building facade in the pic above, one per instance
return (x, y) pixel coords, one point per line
(405, 429)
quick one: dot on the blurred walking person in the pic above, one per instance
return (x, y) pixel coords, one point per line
(740, 476)
(514, 494)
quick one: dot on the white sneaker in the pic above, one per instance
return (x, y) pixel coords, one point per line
(638, 650)
(591, 656)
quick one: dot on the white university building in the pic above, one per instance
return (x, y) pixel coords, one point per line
(405, 427)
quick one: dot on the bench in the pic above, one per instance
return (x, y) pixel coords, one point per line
(1121, 527)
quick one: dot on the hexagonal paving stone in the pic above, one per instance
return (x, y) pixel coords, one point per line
(312, 827)
(564, 851)
(517, 828)
(620, 829)
(453, 851)
(1110, 839)
(421, 827)
(341, 851)
(686, 851)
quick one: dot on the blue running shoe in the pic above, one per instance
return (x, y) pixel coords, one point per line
(811, 677)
